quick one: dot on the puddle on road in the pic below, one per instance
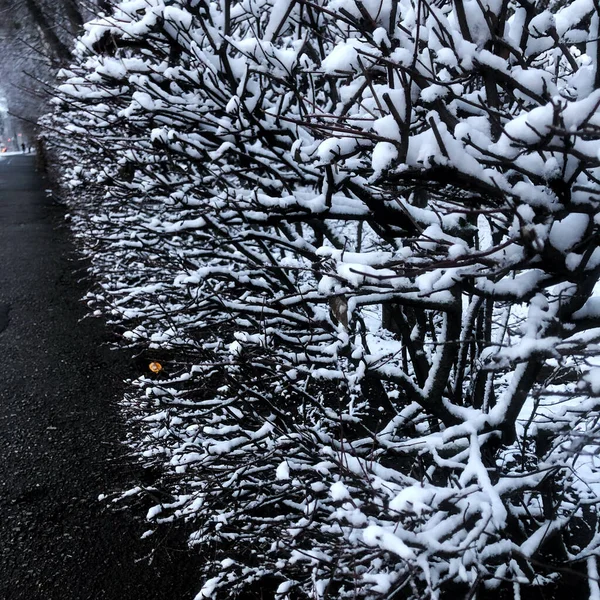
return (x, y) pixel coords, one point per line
(4, 319)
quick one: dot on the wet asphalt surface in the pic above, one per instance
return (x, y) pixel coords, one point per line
(60, 426)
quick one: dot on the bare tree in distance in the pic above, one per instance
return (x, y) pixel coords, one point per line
(36, 39)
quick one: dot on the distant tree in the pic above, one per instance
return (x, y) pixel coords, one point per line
(360, 240)
(36, 38)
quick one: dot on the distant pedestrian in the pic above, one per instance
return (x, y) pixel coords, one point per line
(23, 148)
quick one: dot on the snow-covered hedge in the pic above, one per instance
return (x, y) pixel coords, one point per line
(362, 240)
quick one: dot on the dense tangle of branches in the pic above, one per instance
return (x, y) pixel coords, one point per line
(362, 238)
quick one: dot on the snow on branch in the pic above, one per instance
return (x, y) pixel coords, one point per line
(362, 237)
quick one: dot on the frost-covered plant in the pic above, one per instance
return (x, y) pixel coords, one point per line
(362, 236)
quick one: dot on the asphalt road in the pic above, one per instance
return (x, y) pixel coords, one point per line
(60, 426)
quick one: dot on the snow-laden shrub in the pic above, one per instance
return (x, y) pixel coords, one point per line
(362, 240)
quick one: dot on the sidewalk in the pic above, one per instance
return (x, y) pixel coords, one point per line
(60, 426)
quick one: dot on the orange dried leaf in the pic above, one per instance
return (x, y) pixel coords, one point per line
(155, 367)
